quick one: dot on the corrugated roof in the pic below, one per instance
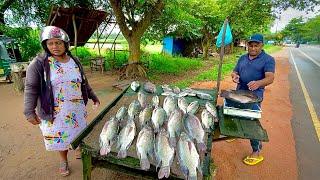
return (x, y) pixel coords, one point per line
(86, 22)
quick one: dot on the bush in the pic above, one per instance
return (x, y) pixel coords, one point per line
(27, 38)
(83, 54)
(121, 57)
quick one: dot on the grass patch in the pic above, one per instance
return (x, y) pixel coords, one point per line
(163, 64)
(271, 48)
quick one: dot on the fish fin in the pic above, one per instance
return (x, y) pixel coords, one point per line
(105, 150)
(202, 147)
(122, 153)
(145, 164)
(173, 142)
(164, 172)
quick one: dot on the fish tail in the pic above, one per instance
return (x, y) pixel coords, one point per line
(105, 150)
(202, 146)
(122, 153)
(164, 172)
(145, 164)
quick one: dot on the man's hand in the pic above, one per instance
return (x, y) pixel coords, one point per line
(235, 77)
(253, 85)
(35, 120)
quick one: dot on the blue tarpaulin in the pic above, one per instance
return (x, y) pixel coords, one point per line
(228, 36)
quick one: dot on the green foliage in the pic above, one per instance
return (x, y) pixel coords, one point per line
(162, 64)
(27, 38)
(271, 48)
(116, 60)
(83, 54)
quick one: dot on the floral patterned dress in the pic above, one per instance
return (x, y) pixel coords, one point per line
(69, 108)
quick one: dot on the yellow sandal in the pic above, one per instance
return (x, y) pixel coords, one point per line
(251, 161)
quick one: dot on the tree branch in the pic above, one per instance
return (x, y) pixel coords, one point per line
(144, 23)
(117, 9)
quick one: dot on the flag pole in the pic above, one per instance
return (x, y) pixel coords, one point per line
(221, 58)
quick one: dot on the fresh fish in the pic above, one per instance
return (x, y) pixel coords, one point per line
(166, 88)
(150, 88)
(144, 146)
(108, 135)
(164, 154)
(205, 96)
(155, 101)
(190, 92)
(145, 116)
(174, 126)
(158, 117)
(194, 129)
(122, 112)
(207, 119)
(241, 96)
(169, 105)
(135, 85)
(176, 90)
(168, 93)
(212, 110)
(125, 139)
(142, 98)
(188, 157)
(183, 94)
(183, 104)
(193, 107)
(134, 109)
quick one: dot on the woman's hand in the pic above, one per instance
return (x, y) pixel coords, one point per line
(96, 104)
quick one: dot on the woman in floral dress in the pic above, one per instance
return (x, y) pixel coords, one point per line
(57, 88)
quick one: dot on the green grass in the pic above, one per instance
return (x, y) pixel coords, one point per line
(212, 74)
(271, 48)
(153, 48)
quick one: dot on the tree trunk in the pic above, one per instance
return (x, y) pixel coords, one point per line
(207, 37)
(134, 48)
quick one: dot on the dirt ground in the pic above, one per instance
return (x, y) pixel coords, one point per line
(23, 155)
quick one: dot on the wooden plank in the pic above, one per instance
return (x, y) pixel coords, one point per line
(86, 165)
(75, 143)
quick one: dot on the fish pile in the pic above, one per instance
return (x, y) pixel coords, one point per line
(170, 130)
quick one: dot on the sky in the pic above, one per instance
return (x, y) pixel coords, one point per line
(290, 13)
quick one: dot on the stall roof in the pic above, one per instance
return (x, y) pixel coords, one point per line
(86, 21)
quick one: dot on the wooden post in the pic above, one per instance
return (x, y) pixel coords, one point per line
(75, 31)
(221, 58)
(86, 165)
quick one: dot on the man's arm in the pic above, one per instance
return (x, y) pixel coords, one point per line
(269, 77)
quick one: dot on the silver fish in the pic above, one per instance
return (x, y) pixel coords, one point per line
(166, 88)
(155, 101)
(207, 119)
(135, 85)
(193, 107)
(144, 146)
(205, 96)
(169, 105)
(126, 137)
(122, 112)
(194, 129)
(164, 154)
(174, 126)
(145, 116)
(183, 94)
(134, 108)
(188, 157)
(158, 117)
(168, 93)
(150, 88)
(108, 135)
(183, 104)
(212, 110)
(242, 96)
(176, 90)
(142, 98)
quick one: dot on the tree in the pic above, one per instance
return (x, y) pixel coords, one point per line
(134, 17)
(294, 29)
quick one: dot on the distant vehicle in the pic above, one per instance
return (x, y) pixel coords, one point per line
(270, 42)
(298, 45)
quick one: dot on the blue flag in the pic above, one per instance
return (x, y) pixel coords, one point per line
(227, 38)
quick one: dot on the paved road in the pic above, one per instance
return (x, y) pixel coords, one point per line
(305, 98)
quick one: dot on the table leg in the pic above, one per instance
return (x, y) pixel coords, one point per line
(86, 165)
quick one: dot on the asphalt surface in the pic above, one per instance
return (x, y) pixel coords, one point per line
(307, 141)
